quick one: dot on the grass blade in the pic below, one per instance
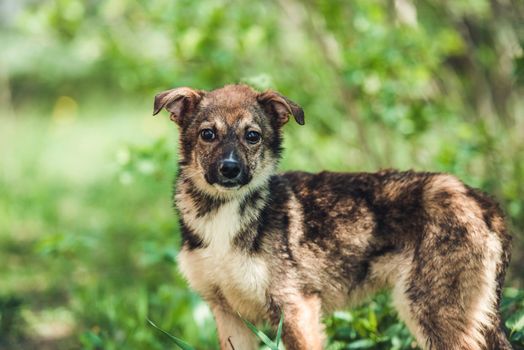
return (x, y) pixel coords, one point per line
(181, 344)
(260, 335)
(279, 330)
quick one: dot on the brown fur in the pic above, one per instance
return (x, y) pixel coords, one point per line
(307, 244)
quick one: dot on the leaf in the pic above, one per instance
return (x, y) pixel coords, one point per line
(362, 344)
(344, 334)
(91, 340)
(260, 335)
(343, 316)
(372, 318)
(279, 330)
(393, 330)
(181, 344)
(516, 321)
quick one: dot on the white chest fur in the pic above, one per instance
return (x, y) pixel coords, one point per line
(241, 278)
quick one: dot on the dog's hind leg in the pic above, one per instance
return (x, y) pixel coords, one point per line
(449, 307)
(494, 218)
(448, 293)
(449, 288)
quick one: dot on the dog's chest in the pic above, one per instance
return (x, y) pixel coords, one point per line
(239, 277)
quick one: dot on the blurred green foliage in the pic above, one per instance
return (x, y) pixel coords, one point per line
(88, 241)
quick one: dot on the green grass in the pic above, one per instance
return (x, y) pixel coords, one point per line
(271, 344)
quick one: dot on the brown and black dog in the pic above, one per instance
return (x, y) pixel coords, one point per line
(257, 243)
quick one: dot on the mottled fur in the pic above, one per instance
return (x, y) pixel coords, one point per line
(307, 244)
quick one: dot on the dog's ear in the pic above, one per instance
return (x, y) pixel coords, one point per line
(179, 102)
(280, 107)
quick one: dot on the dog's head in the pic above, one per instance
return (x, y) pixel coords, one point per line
(230, 138)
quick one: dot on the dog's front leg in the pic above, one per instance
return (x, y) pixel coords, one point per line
(232, 332)
(302, 327)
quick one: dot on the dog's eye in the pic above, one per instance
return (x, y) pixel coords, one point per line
(252, 136)
(207, 135)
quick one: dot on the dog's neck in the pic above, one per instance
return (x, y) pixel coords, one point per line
(222, 220)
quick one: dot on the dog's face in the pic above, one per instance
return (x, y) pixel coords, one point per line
(230, 138)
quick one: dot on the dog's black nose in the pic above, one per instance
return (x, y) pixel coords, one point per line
(229, 168)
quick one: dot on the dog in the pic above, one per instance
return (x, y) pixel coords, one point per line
(257, 244)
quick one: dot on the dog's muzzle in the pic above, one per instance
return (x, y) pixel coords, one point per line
(229, 169)
(231, 172)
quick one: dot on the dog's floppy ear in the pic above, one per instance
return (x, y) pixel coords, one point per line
(280, 107)
(179, 102)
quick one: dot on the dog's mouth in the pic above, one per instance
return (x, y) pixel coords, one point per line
(227, 187)
(229, 184)
(226, 184)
